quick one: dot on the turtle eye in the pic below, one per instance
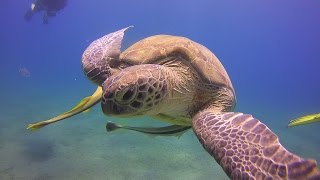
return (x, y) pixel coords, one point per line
(127, 94)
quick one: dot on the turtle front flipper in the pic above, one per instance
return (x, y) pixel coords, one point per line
(82, 106)
(248, 149)
(96, 58)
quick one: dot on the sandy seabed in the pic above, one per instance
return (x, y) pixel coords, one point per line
(80, 148)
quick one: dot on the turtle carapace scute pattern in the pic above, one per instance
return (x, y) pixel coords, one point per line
(181, 82)
(177, 80)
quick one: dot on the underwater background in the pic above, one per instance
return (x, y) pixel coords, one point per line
(271, 50)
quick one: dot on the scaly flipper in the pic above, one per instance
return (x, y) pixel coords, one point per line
(96, 58)
(311, 118)
(84, 105)
(248, 149)
(166, 130)
(95, 62)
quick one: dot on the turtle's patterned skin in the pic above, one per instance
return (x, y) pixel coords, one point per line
(248, 149)
(100, 55)
(180, 81)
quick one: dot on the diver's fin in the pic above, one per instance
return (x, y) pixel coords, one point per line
(45, 18)
(311, 118)
(172, 130)
(33, 5)
(83, 106)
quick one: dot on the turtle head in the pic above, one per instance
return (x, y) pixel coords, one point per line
(136, 90)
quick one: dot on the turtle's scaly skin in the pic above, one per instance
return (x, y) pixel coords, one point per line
(100, 55)
(194, 85)
(180, 81)
(124, 97)
(199, 77)
(160, 49)
(247, 149)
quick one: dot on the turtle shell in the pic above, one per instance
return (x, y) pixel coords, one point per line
(154, 49)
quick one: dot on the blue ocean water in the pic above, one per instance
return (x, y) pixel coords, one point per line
(271, 50)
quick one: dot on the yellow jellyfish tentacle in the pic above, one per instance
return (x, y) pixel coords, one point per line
(84, 105)
(310, 118)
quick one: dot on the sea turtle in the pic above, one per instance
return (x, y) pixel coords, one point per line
(177, 80)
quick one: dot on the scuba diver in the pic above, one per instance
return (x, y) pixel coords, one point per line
(50, 8)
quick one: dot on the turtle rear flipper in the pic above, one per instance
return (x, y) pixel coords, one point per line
(246, 148)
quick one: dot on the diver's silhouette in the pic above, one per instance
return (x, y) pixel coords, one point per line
(50, 8)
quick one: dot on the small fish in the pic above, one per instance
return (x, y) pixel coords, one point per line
(311, 118)
(166, 130)
(24, 72)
